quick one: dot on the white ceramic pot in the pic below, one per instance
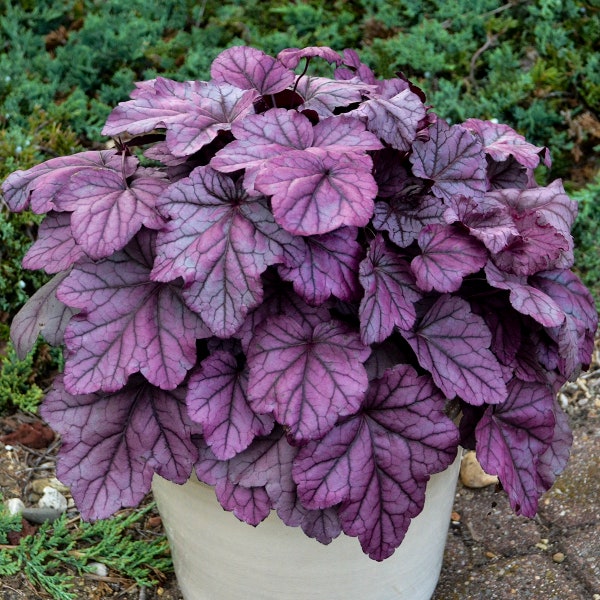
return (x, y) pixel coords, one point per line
(217, 557)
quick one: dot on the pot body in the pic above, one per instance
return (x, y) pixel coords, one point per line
(218, 557)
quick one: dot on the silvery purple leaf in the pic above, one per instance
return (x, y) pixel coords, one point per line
(216, 398)
(448, 255)
(525, 298)
(343, 134)
(506, 174)
(220, 240)
(501, 142)
(329, 267)
(324, 95)
(290, 57)
(306, 377)
(108, 210)
(553, 461)
(538, 247)
(453, 159)
(390, 174)
(38, 187)
(122, 329)
(489, 222)
(55, 249)
(248, 68)
(43, 313)
(354, 68)
(403, 218)
(550, 202)
(377, 463)
(114, 443)
(192, 112)
(390, 293)
(512, 437)
(314, 194)
(453, 343)
(394, 120)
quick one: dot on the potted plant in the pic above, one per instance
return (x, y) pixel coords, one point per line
(309, 292)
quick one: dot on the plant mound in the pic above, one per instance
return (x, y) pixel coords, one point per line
(296, 290)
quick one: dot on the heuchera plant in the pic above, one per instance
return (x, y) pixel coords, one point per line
(298, 298)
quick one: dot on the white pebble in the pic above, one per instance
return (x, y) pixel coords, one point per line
(98, 569)
(53, 499)
(15, 506)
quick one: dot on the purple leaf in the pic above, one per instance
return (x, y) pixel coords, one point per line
(39, 186)
(390, 174)
(324, 95)
(192, 112)
(329, 267)
(122, 329)
(488, 222)
(501, 142)
(404, 218)
(453, 158)
(390, 293)
(525, 298)
(216, 399)
(453, 343)
(109, 211)
(506, 174)
(248, 68)
(377, 463)
(290, 57)
(314, 194)
(537, 247)
(553, 461)
(307, 378)
(343, 134)
(353, 67)
(448, 254)
(220, 241)
(43, 313)
(114, 443)
(550, 202)
(394, 120)
(512, 437)
(55, 249)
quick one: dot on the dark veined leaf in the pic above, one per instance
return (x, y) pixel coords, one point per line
(512, 437)
(306, 377)
(448, 254)
(220, 240)
(248, 68)
(43, 313)
(290, 57)
(122, 327)
(453, 159)
(323, 95)
(377, 463)
(453, 343)
(390, 293)
(114, 443)
(329, 267)
(216, 399)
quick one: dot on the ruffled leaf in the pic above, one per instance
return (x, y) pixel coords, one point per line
(114, 443)
(453, 159)
(43, 313)
(453, 343)
(248, 68)
(323, 95)
(122, 329)
(377, 463)
(55, 249)
(306, 377)
(216, 399)
(512, 437)
(447, 256)
(390, 293)
(220, 241)
(329, 267)
(314, 194)
(290, 57)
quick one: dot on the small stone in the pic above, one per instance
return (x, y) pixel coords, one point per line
(541, 545)
(15, 506)
(558, 557)
(39, 484)
(41, 515)
(98, 568)
(471, 473)
(455, 517)
(53, 499)
(490, 555)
